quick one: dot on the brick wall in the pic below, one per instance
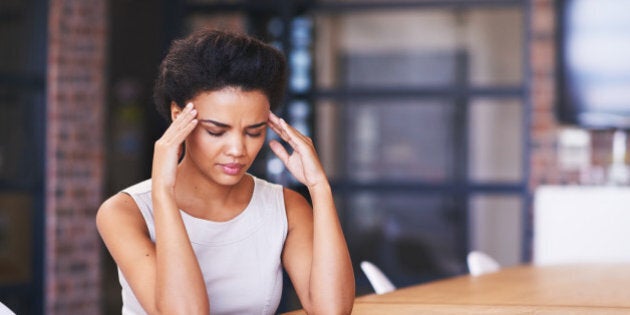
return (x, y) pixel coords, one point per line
(74, 154)
(544, 125)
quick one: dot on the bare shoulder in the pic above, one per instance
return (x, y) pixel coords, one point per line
(118, 211)
(125, 234)
(299, 211)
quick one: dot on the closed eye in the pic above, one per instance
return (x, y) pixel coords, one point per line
(254, 134)
(215, 134)
(256, 130)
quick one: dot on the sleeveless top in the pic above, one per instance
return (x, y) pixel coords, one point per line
(239, 258)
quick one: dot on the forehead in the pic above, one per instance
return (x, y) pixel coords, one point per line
(231, 102)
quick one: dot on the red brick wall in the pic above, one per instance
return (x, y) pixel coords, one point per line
(74, 154)
(544, 125)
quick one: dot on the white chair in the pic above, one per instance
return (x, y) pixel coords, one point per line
(4, 310)
(377, 278)
(481, 263)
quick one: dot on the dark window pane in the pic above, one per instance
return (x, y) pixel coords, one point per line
(399, 140)
(412, 237)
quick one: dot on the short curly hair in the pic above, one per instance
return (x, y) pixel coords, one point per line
(210, 60)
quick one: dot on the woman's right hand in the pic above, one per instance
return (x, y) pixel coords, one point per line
(168, 148)
(175, 280)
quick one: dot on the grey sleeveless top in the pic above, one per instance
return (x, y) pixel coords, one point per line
(239, 258)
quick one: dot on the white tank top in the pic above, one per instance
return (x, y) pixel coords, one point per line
(239, 258)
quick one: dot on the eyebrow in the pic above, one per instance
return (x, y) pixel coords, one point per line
(223, 125)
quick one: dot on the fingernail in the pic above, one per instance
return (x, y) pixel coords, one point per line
(189, 105)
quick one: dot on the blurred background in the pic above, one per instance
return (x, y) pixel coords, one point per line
(436, 120)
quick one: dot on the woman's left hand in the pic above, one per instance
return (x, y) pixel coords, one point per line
(303, 162)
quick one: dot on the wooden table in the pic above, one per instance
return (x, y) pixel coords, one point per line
(566, 289)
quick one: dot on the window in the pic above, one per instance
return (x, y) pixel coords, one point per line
(418, 111)
(22, 100)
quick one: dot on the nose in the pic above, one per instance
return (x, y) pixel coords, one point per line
(236, 146)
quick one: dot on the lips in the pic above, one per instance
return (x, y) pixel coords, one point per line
(232, 168)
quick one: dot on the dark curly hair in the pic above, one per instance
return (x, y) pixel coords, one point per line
(210, 60)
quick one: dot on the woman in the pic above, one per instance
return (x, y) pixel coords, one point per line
(202, 235)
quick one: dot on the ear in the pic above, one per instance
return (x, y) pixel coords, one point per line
(175, 111)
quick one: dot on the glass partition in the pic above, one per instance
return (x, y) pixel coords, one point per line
(399, 44)
(495, 132)
(495, 225)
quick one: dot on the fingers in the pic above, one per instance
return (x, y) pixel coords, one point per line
(186, 116)
(181, 127)
(287, 132)
(303, 162)
(279, 150)
(274, 123)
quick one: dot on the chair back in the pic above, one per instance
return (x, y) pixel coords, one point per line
(377, 278)
(480, 263)
(4, 310)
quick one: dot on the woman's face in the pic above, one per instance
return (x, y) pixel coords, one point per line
(230, 133)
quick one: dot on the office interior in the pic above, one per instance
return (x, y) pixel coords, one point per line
(437, 122)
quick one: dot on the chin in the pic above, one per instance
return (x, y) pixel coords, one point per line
(229, 180)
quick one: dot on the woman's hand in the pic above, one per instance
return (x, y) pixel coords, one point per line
(315, 253)
(177, 281)
(303, 162)
(167, 149)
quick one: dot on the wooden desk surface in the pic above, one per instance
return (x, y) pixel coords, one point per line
(573, 289)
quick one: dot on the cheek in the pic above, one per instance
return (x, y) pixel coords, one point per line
(200, 141)
(195, 137)
(256, 144)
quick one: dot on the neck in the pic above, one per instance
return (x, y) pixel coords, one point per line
(202, 197)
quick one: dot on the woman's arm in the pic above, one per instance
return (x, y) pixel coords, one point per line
(316, 255)
(126, 237)
(170, 280)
